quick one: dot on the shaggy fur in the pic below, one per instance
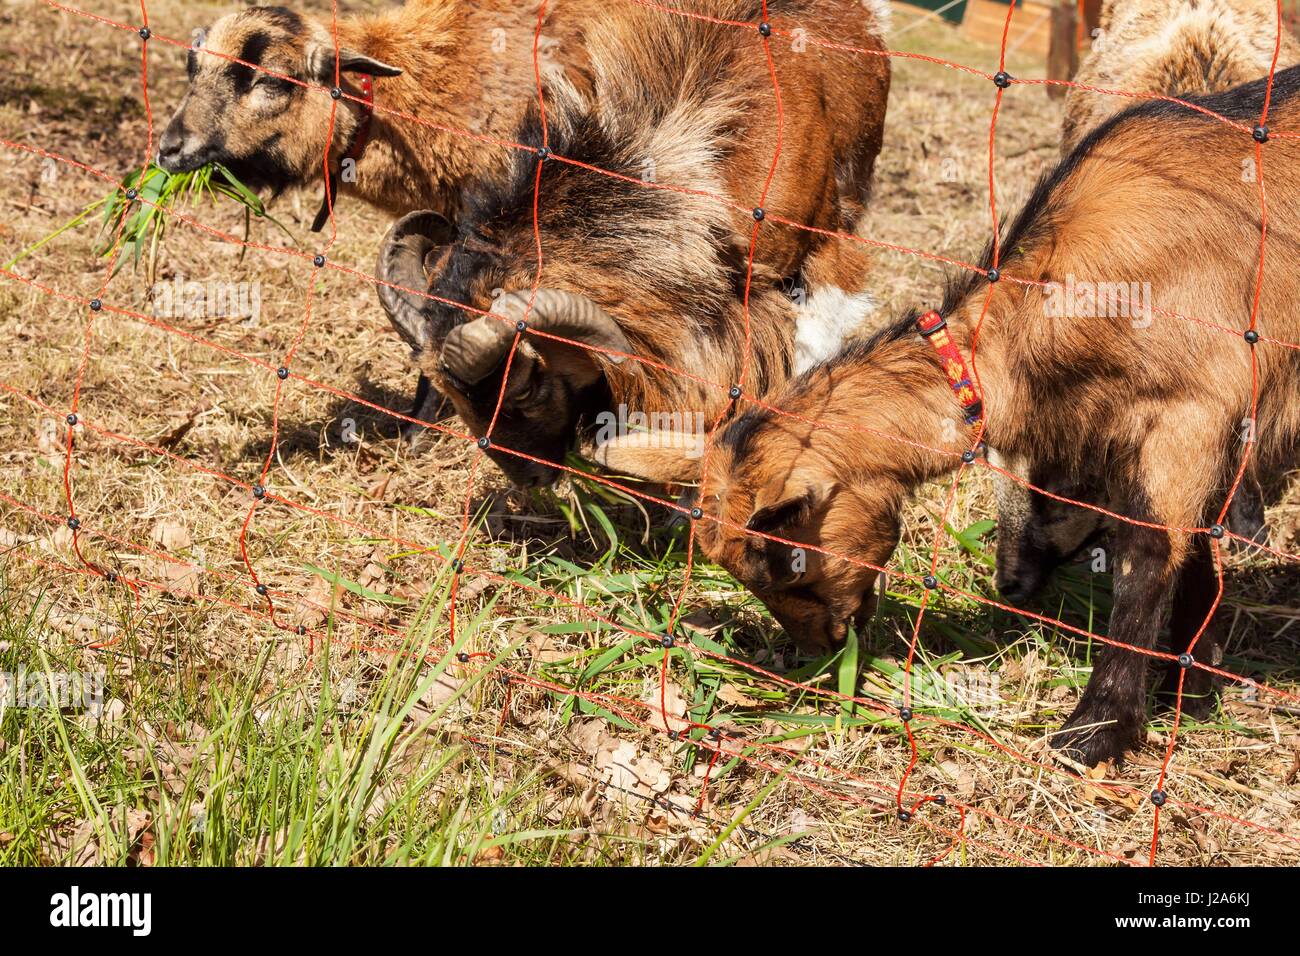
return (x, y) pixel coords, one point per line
(1154, 195)
(1173, 47)
(689, 101)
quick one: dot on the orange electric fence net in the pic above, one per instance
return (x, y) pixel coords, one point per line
(943, 814)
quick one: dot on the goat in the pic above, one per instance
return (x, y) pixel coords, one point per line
(1172, 48)
(658, 272)
(469, 66)
(1128, 403)
(460, 65)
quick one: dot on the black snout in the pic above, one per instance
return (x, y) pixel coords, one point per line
(176, 151)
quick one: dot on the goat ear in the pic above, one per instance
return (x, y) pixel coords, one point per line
(782, 508)
(671, 457)
(320, 63)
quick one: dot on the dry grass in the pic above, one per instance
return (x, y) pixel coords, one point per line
(72, 86)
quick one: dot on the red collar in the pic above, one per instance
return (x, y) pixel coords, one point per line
(934, 330)
(360, 137)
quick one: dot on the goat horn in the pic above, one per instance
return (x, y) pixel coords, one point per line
(402, 257)
(471, 351)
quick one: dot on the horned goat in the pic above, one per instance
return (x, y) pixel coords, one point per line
(659, 272)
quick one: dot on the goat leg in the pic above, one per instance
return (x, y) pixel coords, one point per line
(1111, 712)
(430, 407)
(1193, 598)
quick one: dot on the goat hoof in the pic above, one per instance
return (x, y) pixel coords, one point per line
(1080, 740)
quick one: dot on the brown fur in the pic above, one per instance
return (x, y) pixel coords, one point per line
(694, 99)
(1173, 47)
(1155, 410)
(451, 75)
(1170, 47)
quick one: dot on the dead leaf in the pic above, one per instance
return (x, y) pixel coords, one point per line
(667, 706)
(171, 536)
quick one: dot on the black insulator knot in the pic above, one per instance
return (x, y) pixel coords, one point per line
(1002, 79)
(259, 492)
(111, 577)
(96, 305)
(941, 800)
(282, 372)
(521, 326)
(543, 154)
(457, 565)
(484, 442)
(667, 641)
(131, 193)
(261, 589)
(905, 816)
(463, 657)
(968, 456)
(930, 582)
(318, 260)
(336, 93)
(715, 733)
(1251, 336)
(1216, 531)
(1158, 797)
(759, 214)
(74, 523)
(905, 714)
(145, 33)
(72, 419)
(696, 514)
(1260, 133)
(300, 630)
(993, 275)
(765, 29)
(1186, 660)
(674, 735)
(735, 392)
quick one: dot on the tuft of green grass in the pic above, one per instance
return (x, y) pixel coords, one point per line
(130, 225)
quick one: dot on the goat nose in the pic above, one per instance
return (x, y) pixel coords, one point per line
(171, 149)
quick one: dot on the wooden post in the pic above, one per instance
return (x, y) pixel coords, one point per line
(1063, 55)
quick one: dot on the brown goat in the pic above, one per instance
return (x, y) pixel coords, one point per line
(462, 65)
(662, 269)
(1169, 47)
(1153, 409)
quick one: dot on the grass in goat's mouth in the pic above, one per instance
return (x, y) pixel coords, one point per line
(130, 225)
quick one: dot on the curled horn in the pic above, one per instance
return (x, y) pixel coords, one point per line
(402, 257)
(474, 349)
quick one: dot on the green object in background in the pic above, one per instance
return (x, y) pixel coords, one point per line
(952, 10)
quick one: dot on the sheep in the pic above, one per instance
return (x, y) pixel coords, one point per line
(1172, 48)
(1153, 409)
(657, 272)
(468, 66)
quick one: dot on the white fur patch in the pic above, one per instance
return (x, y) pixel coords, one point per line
(884, 14)
(824, 320)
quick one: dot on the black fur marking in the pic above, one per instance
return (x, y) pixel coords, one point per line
(251, 52)
(282, 17)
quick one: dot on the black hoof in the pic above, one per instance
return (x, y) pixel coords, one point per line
(1081, 739)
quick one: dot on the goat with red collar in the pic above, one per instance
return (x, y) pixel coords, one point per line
(1150, 410)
